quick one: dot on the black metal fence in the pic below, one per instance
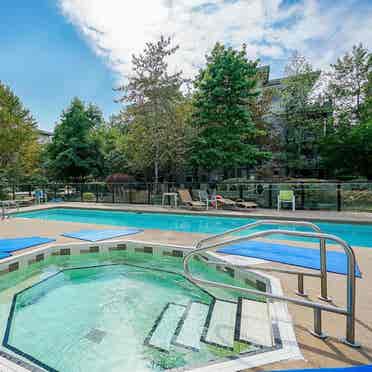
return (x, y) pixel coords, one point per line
(351, 196)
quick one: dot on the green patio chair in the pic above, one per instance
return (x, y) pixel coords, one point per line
(286, 196)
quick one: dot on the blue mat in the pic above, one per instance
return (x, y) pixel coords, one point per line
(302, 257)
(16, 244)
(4, 255)
(97, 235)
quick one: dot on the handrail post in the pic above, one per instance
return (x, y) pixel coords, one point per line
(350, 303)
(323, 272)
(317, 332)
(300, 286)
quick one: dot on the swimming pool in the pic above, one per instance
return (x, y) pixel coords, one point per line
(354, 234)
(118, 311)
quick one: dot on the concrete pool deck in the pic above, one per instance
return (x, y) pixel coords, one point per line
(317, 353)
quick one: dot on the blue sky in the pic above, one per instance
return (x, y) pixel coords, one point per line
(53, 50)
(46, 62)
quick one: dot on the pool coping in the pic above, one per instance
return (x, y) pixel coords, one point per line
(279, 310)
(251, 213)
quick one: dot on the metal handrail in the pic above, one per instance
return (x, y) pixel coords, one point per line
(258, 223)
(348, 311)
(323, 257)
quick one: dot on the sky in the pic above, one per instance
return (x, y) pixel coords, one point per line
(54, 50)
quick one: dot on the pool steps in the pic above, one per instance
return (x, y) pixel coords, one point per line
(190, 330)
(221, 327)
(162, 334)
(255, 324)
(219, 324)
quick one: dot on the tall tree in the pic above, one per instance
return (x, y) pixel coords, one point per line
(73, 153)
(347, 149)
(111, 140)
(347, 79)
(366, 109)
(19, 148)
(304, 120)
(225, 131)
(152, 95)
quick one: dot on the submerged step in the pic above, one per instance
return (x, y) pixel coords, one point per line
(192, 326)
(164, 329)
(255, 323)
(221, 327)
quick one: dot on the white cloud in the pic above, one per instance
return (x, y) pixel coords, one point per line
(118, 28)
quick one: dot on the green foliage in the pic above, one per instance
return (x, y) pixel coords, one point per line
(156, 112)
(19, 149)
(74, 153)
(348, 77)
(225, 131)
(305, 121)
(111, 142)
(349, 151)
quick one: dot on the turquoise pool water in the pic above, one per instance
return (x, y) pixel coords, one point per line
(354, 234)
(96, 312)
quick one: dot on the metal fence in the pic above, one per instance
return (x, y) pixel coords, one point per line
(309, 195)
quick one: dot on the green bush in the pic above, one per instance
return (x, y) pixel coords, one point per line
(89, 197)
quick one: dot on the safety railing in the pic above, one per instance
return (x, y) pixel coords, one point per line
(207, 244)
(6, 205)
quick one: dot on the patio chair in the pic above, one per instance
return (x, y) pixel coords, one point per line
(208, 200)
(286, 196)
(186, 199)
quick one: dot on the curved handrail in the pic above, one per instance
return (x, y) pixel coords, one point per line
(258, 223)
(349, 311)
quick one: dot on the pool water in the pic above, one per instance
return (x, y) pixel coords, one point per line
(354, 234)
(95, 312)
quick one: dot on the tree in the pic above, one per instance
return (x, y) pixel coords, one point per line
(19, 148)
(225, 133)
(346, 83)
(110, 140)
(347, 150)
(74, 153)
(366, 108)
(304, 120)
(173, 140)
(152, 95)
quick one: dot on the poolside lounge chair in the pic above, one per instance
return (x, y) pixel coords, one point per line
(225, 203)
(186, 199)
(246, 204)
(286, 196)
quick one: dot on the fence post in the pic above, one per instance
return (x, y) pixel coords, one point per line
(270, 195)
(13, 192)
(113, 185)
(241, 192)
(130, 190)
(97, 198)
(302, 194)
(148, 194)
(81, 192)
(339, 201)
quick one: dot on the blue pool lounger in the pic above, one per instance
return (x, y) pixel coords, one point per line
(15, 244)
(97, 235)
(4, 255)
(303, 257)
